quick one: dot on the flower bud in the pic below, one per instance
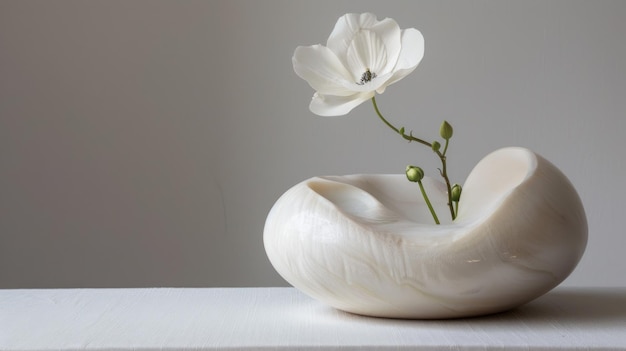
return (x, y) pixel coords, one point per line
(414, 174)
(445, 130)
(455, 195)
(436, 146)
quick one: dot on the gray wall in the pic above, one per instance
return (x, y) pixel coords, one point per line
(142, 143)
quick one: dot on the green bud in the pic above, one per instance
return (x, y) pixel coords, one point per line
(445, 130)
(402, 131)
(414, 174)
(436, 146)
(456, 193)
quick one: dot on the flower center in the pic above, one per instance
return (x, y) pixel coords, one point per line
(366, 77)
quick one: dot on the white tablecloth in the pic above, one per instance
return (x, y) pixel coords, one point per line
(283, 318)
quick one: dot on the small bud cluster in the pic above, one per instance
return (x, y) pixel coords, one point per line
(414, 174)
(456, 193)
(446, 130)
(435, 146)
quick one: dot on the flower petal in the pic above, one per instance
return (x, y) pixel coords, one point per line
(328, 105)
(389, 32)
(346, 28)
(321, 68)
(366, 52)
(410, 56)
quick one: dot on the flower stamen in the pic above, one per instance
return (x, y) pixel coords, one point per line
(366, 77)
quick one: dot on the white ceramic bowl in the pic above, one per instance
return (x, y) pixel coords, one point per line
(367, 244)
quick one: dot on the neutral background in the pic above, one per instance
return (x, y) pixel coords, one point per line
(142, 143)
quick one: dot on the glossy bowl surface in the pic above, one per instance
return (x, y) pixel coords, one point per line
(367, 244)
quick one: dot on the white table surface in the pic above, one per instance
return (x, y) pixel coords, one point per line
(284, 318)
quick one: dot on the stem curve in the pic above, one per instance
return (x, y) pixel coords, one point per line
(442, 156)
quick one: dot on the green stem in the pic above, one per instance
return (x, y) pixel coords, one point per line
(430, 207)
(444, 174)
(445, 148)
(407, 137)
(442, 156)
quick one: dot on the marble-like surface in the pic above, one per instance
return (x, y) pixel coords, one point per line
(367, 244)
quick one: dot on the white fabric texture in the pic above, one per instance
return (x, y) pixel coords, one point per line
(284, 318)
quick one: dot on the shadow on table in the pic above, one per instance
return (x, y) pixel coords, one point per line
(580, 307)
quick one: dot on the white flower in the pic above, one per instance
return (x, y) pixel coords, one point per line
(362, 57)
